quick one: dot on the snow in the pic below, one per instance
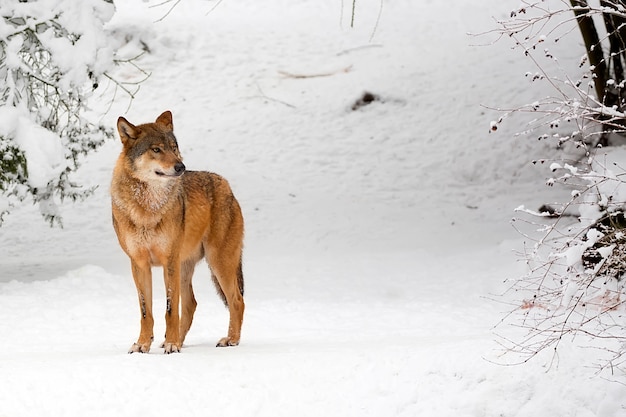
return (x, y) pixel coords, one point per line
(44, 157)
(378, 240)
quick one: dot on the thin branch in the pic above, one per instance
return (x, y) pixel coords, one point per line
(214, 7)
(169, 11)
(265, 97)
(323, 74)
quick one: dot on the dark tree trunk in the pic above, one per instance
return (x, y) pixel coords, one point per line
(592, 44)
(616, 29)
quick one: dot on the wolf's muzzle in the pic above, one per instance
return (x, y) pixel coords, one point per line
(179, 168)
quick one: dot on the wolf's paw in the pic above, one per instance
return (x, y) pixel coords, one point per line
(136, 347)
(227, 341)
(170, 348)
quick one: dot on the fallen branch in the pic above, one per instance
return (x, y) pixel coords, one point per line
(323, 74)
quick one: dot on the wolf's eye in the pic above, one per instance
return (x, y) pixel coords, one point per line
(156, 150)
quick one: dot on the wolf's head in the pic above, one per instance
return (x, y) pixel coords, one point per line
(151, 149)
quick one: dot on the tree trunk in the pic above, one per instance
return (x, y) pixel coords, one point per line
(592, 44)
(616, 29)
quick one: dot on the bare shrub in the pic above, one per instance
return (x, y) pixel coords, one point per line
(576, 250)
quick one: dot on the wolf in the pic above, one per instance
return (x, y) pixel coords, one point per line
(165, 215)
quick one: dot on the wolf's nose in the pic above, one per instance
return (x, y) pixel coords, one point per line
(179, 168)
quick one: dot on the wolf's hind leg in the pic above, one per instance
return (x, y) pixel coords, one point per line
(228, 276)
(188, 301)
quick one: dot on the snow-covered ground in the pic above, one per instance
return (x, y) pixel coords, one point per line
(376, 238)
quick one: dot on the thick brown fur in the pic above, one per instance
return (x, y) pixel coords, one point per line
(166, 216)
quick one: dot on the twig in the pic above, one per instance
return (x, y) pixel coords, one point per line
(380, 12)
(169, 11)
(353, 10)
(264, 96)
(358, 48)
(214, 7)
(324, 74)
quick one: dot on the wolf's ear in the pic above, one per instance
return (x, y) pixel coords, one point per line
(165, 120)
(126, 130)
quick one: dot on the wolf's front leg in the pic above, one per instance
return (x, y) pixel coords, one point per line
(142, 274)
(172, 310)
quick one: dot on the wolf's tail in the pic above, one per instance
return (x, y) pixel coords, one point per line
(240, 277)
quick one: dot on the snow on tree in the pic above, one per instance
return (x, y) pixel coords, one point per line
(576, 253)
(53, 55)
